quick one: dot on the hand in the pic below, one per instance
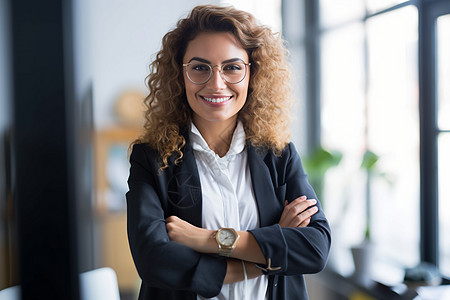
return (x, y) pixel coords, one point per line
(189, 235)
(298, 213)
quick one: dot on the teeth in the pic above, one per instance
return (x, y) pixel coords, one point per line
(217, 100)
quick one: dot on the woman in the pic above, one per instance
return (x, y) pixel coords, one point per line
(219, 205)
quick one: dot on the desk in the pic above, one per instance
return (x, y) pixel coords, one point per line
(330, 285)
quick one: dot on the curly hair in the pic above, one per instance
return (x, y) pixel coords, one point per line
(265, 115)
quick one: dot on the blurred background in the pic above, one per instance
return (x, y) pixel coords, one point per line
(371, 123)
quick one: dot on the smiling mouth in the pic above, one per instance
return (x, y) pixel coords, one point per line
(216, 100)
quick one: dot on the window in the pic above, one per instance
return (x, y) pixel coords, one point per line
(369, 101)
(383, 86)
(393, 132)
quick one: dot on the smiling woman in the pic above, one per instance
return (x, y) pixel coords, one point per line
(218, 203)
(215, 102)
(269, 95)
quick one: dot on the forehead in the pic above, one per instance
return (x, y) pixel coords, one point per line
(215, 47)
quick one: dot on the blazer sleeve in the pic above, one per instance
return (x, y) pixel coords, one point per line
(160, 262)
(294, 251)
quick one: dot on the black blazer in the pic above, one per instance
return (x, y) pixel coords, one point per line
(170, 270)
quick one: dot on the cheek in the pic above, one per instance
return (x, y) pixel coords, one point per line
(189, 88)
(191, 92)
(243, 90)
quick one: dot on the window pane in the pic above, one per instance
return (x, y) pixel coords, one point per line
(443, 50)
(444, 202)
(378, 5)
(342, 129)
(393, 132)
(333, 12)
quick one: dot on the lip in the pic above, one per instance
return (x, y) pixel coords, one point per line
(216, 100)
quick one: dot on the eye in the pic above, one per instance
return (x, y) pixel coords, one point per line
(199, 67)
(233, 67)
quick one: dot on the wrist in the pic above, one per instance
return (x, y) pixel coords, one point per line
(252, 270)
(204, 243)
(226, 239)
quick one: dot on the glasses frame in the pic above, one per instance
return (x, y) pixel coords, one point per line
(211, 68)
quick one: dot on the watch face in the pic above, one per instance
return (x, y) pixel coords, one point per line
(226, 237)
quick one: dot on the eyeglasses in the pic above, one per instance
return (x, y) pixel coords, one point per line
(200, 72)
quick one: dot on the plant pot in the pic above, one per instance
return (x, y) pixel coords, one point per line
(363, 260)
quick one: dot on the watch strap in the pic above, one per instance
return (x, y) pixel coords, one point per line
(225, 251)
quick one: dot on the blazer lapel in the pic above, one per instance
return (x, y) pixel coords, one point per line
(268, 206)
(185, 192)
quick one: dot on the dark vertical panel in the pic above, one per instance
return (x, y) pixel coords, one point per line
(312, 49)
(430, 10)
(428, 147)
(43, 177)
(82, 133)
(83, 182)
(428, 13)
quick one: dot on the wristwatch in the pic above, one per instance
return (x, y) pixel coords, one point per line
(226, 240)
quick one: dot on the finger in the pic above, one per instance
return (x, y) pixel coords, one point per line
(305, 223)
(302, 201)
(295, 207)
(290, 215)
(300, 207)
(307, 214)
(299, 219)
(171, 219)
(297, 200)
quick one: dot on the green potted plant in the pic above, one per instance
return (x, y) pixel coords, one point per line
(369, 164)
(317, 163)
(363, 253)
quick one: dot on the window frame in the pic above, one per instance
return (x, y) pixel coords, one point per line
(429, 11)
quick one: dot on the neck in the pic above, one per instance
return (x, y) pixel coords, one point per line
(217, 135)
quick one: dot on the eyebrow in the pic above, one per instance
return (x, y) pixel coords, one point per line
(208, 62)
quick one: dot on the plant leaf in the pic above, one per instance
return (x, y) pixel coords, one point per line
(369, 161)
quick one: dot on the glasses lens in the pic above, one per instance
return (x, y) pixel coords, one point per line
(234, 72)
(198, 72)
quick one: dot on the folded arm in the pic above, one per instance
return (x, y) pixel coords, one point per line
(159, 261)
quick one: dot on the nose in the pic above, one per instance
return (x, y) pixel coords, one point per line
(216, 81)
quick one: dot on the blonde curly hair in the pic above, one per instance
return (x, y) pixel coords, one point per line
(266, 113)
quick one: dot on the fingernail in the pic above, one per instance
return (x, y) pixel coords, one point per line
(303, 197)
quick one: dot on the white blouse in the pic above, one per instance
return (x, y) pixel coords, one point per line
(228, 201)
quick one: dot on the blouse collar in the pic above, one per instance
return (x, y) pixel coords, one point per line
(237, 142)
